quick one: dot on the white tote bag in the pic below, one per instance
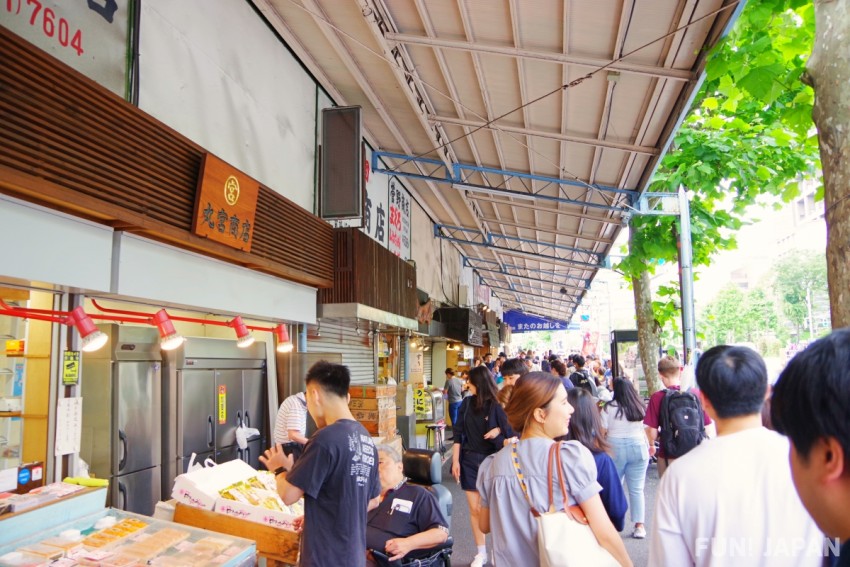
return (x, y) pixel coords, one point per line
(564, 538)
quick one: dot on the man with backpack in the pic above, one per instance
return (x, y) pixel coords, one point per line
(582, 377)
(677, 415)
(731, 502)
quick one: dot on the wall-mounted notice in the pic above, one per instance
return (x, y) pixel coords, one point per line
(69, 426)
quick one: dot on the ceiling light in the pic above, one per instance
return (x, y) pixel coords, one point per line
(493, 191)
(283, 342)
(92, 337)
(243, 335)
(169, 339)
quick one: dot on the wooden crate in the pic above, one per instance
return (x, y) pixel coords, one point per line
(277, 546)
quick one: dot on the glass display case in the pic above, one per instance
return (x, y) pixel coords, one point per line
(12, 368)
(114, 538)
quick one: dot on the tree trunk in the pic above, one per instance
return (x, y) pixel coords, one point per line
(829, 75)
(649, 340)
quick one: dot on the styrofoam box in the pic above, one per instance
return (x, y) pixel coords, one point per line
(273, 518)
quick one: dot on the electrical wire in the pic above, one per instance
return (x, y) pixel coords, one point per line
(571, 84)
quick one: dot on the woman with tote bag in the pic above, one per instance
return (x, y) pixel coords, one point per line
(540, 498)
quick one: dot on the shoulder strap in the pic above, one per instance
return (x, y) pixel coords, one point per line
(575, 511)
(521, 477)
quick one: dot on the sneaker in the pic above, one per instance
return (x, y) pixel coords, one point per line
(478, 561)
(640, 533)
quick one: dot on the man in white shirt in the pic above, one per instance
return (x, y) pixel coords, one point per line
(730, 501)
(290, 429)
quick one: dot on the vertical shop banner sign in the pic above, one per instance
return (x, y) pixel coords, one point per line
(89, 36)
(417, 362)
(376, 207)
(222, 404)
(70, 367)
(399, 241)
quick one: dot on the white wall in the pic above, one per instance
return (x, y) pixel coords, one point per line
(53, 247)
(213, 71)
(151, 271)
(425, 251)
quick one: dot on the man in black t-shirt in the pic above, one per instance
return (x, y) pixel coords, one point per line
(408, 517)
(337, 474)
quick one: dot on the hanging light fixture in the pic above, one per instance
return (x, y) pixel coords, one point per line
(92, 337)
(283, 342)
(169, 338)
(243, 335)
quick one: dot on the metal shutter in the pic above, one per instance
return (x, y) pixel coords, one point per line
(426, 362)
(356, 350)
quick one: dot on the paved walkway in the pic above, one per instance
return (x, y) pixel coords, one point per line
(464, 548)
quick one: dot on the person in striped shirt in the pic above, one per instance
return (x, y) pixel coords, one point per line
(290, 428)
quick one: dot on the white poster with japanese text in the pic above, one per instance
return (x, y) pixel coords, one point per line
(90, 36)
(399, 239)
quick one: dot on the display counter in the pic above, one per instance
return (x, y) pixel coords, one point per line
(73, 531)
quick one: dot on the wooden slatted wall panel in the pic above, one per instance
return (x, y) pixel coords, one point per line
(366, 272)
(69, 143)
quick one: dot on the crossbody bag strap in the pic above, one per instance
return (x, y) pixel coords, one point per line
(515, 459)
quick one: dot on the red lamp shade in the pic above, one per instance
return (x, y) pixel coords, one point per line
(169, 338)
(283, 342)
(92, 337)
(243, 335)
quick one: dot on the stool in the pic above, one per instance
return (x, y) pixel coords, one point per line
(434, 437)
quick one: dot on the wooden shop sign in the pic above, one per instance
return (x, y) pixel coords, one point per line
(225, 205)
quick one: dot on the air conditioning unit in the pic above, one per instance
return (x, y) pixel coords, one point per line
(461, 324)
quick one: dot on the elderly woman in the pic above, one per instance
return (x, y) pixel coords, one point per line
(408, 517)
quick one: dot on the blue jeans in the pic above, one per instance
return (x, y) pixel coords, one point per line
(453, 407)
(631, 457)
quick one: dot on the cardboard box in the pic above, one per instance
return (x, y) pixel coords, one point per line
(404, 399)
(384, 428)
(372, 403)
(372, 391)
(374, 415)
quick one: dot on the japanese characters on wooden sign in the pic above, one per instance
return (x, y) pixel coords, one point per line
(226, 204)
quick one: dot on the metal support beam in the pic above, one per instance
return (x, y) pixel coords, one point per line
(536, 295)
(435, 170)
(498, 126)
(686, 271)
(547, 230)
(553, 210)
(459, 235)
(530, 279)
(589, 62)
(476, 263)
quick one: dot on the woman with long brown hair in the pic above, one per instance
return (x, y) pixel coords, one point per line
(482, 428)
(539, 410)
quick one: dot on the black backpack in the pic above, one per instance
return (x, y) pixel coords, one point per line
(682, 423)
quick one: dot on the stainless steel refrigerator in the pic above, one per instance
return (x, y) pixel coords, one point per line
(210, 388)
(121, 435)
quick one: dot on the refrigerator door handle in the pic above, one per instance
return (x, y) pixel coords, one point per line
(247, 419)
(239, 454)
(239, 418)
(248, 455)
(211, 438)
(122, 491)
(122, 438)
